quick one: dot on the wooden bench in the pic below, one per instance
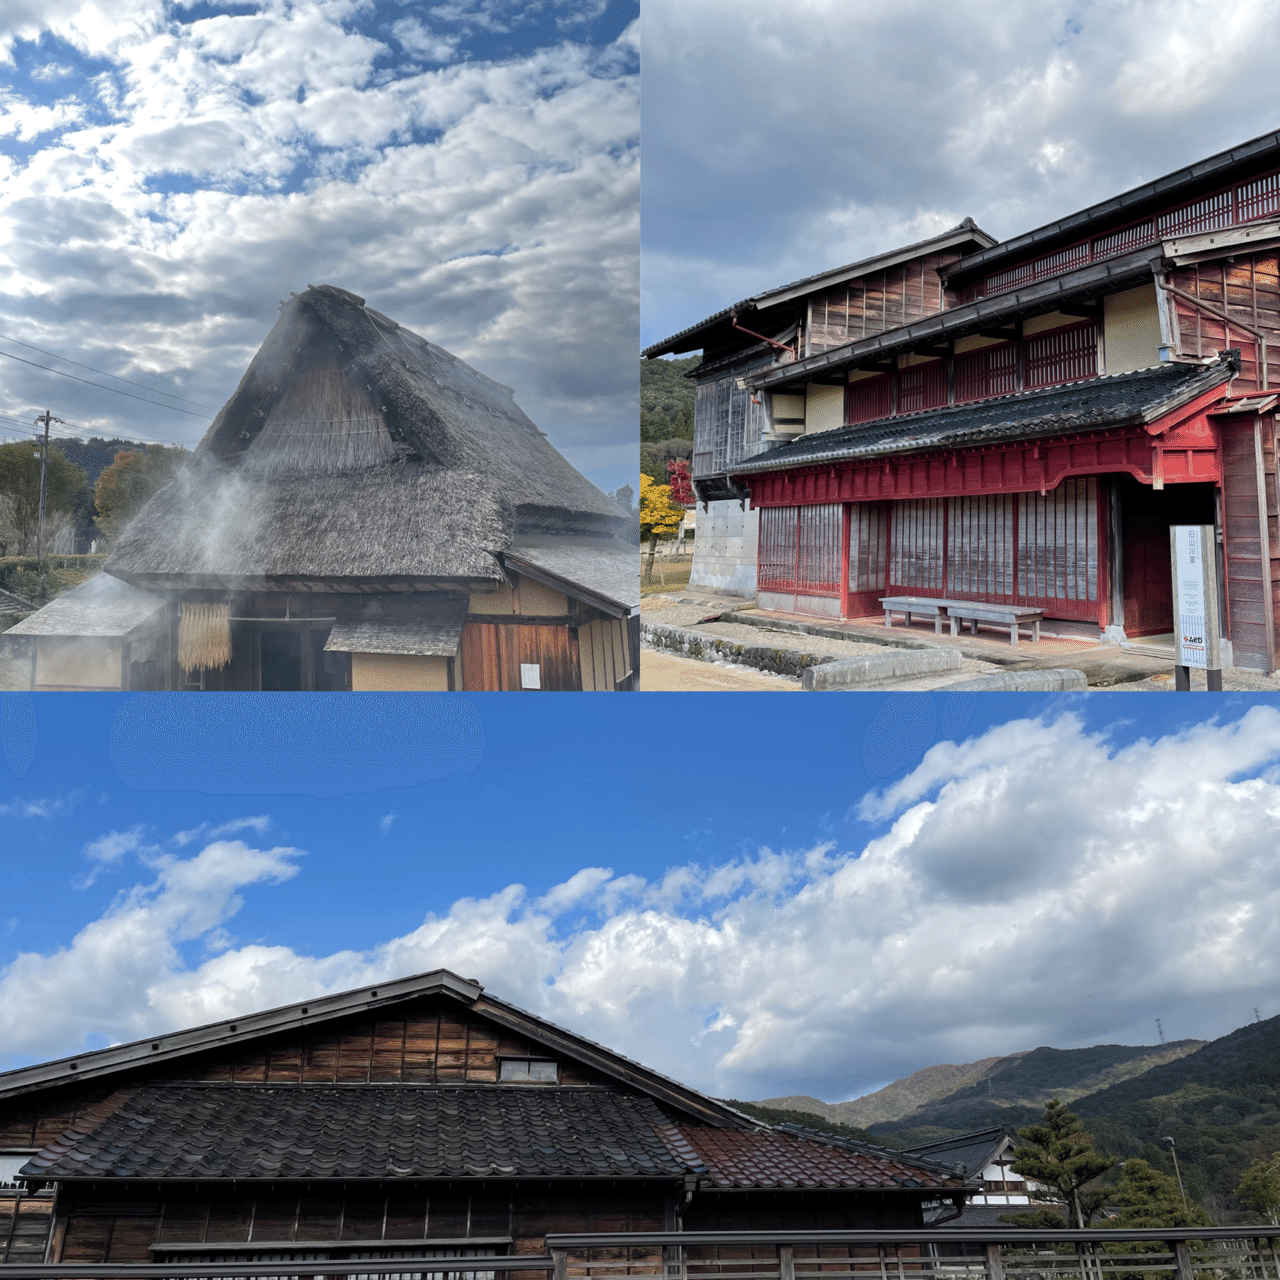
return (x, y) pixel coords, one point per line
(959, 611)
(923, 605)
(1004, 615)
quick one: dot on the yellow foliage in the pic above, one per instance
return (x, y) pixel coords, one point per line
(658, 514)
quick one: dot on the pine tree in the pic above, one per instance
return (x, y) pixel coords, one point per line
(1059, 1154)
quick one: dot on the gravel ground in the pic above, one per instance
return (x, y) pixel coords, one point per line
(1234, 680)
(799, 642)
(662, 610)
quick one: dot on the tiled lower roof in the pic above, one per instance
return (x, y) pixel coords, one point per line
(1113, 400)
(209, 1132)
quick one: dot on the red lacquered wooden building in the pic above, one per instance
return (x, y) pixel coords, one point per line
(1081, 388)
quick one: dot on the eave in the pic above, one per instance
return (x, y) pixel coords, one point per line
(1133, 203)
(959, 322)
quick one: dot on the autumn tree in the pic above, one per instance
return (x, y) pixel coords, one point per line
(1058, 1154)
(659, 516)
(126, 486)
(1259, 1188)
(20, 493)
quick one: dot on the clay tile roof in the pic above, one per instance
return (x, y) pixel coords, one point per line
(775, 1158)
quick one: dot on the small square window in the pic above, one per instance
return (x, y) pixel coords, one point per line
(514, 1069)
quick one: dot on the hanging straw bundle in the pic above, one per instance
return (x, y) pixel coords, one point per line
(204, 636)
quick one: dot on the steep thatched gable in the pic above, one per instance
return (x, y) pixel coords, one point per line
(355, 451)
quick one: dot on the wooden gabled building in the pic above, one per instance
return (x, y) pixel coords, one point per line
(1085, 386)
(777, 327)
(418, 1117)
(365, 512)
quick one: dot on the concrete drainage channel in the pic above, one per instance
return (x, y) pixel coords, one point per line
(820, 671)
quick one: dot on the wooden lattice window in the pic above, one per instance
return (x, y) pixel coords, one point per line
(923, 386)
(1064, 355)
(993, 371)
(868, 399)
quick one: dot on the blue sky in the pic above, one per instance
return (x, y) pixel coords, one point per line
(169, 172)
(784, 140)
(817, 906)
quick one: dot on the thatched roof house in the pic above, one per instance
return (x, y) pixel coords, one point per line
(367, 511)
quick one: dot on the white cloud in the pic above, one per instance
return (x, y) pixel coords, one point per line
(102, 981)
(260, 824)
(385, 824)
(221, 163)
(1014, 114)
(1035, 885)
(44, 807)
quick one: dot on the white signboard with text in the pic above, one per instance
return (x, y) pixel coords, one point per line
(1196, 614)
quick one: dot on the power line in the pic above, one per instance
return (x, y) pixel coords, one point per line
(88, 382)
(67, 359)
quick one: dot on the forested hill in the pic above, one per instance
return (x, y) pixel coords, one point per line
(1015, 1089)
(666, 399)
(1219, 1101)
(1000, 1090)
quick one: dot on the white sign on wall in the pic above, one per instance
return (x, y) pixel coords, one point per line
(530, 675)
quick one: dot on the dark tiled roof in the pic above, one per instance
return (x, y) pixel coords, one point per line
(973, 1150)
(395, 1132)
(1114, 400)
(428, 623)
(295, 1132)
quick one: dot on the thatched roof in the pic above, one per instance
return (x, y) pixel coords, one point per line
(427, 623)
(602, 569)
(102, 606)
(354, 450)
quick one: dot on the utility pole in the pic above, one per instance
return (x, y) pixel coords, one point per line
(46, 419)
(1160, 1029)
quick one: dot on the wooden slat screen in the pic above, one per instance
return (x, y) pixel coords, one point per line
(980, 547)
(916, 546)
(818, 559)
(1063, 355)
(922, 386)
(993, 371)
(868, 399)
(868, 546)
(1058, 547)
(800, 549)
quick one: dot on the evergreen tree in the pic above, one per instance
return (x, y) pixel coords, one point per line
(1259, 1188)
(1149, 1198)
(1059, 1154)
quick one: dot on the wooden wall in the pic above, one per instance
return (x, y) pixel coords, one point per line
(430, 1042)
(109, 1226)
(1248, 289)
(24, 1227)
(883, 300)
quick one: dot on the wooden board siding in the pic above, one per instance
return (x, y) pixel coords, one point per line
(1248, 289)
(24, 1227)
(429, 1042)
(602, 654)
(1250, 537)
(113, 1228)
(493, 652)
(430, 1046)
(883, 300)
